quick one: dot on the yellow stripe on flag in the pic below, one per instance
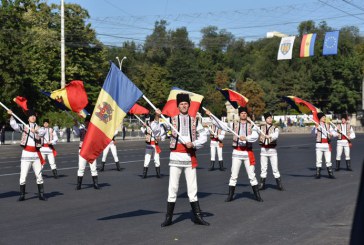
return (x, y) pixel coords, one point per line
(307, 45)
(193, 96)
(60, 95)
(107, 115)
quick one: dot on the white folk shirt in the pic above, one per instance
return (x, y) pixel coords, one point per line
(270, 151)
(183, 158)
(351, 136)
(46, 140)
(324, 135)
(250, 138)
(220, 136)
(26, 155)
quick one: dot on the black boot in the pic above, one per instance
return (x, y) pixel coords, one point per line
(41, 192)
(330, 172)
(212, 166)
(145, 171)
(197, 214)
(318, 173)
(256, 193)
(117, 166)
(169, 215)
(22, 193)
(231, 194)
(221, 165)
(95, 179)
(279, 184)
(55, 174)
(348, 165)
(337, 165)
(262, 184)
(102, 167)
(158, 172)
(79, 182)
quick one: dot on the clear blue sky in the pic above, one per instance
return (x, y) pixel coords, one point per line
(116, 21)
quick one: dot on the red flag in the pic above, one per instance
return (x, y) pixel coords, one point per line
(170, 108)
(234, 97)
(22, 102)
(138, 109)
(73, 96)
(302, 106)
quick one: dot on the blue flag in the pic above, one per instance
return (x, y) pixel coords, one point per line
(330, 43)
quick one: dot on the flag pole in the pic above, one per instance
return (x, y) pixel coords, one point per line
(337, 130)
(165, 119)
(260, 131)
(140, 120)
(227, 127)
(7, 109)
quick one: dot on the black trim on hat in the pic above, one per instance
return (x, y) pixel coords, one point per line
(183, 98)
(267, 114)
(320, 115)
(242, 109)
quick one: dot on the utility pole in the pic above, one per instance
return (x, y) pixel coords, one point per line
(63, 63)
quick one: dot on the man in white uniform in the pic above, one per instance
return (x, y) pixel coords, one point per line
(153, 135)
(217, 136)
(49, 139)
(81, 131)
(344, 143)
(31, 156)
(183, 158)
(268, 142)
(111, 146)
(324, 133)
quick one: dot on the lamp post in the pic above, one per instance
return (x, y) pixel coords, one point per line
(121, 62)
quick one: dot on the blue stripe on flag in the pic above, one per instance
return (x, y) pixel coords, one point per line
(121, 89)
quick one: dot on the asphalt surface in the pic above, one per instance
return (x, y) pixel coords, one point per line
(129, 209)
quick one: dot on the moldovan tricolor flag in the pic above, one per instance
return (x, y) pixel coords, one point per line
(302, 106)
(170, 108)
(308, 45)
(138, 109)
(22, 102)
(234, 97)
(73, 96)
(117, 97)
(285, 48)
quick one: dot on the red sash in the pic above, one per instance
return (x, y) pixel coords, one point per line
(183, 149)
(157, 148)
(214, 139)
(33, 149)
(343, 137)
(52, 148)
(250, 153)
(327, 142)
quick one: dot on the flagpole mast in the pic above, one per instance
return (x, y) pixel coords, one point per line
(165, 119)
(63, 63)
(7, 109)
(227, 127)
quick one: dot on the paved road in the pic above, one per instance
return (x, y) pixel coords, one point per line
(129, 210)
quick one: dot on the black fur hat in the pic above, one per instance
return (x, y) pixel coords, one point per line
(183, 98)
(242, 109)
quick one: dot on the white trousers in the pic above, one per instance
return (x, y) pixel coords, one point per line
(24, 170)
(235, 168)
(319, 153)
(82, 165)
(191, 180)
(339, 152)
(51, 160)
(213, 152)
(114, 152)
(149, 152)
(272, 156)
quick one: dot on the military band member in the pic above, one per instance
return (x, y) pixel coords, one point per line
(183, 158)
(81, 131)
(217, 136)
(153, 135)
(31, 156)
(242, 153)
(344, 143)
(111, 146)
(324, 132)
(49, 140)
(268, 142)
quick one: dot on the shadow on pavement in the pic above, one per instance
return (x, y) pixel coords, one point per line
(135, 213)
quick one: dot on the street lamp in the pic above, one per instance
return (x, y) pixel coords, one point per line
(272, 34)
(120, 62)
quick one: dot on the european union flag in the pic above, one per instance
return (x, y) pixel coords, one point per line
(330, 43)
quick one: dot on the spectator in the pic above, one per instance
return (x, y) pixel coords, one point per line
(124, 132)
(2, 133)
(68, 132)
